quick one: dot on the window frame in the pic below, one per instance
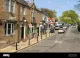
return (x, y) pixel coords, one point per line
(23, 10)
(6, 5)
(11, 29)
(12, 6)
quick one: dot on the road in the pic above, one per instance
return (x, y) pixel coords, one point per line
(66, 42)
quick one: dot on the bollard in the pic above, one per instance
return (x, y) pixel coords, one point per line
(45, 33)
(16, 46)
(37, 38)
(29, 42)
(49, 33)
(41, 35)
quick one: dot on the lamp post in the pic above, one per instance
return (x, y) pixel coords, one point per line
(33, 18)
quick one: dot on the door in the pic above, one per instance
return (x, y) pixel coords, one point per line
(22, 33)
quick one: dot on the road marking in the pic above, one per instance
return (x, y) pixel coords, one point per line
(58, 41)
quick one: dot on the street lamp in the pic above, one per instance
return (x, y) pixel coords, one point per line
(33, 19)
(24, 20)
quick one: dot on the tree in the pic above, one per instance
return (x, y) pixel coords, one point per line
(77, 6)
(69, 16)
(51, 13)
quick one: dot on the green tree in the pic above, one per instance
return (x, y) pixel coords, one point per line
(77, 6)
(69, 16)
(51, 13)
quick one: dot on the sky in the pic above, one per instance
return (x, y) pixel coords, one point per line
(58, 5)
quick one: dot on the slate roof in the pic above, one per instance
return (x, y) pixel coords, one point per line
(22, 2)
(30, 5)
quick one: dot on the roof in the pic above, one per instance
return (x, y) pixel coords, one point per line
(22, 2)
(31, 5)
(44, 13)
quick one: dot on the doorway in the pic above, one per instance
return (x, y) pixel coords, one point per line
(23, 32)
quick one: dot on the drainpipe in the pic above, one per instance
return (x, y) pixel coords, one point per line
(17, 41)
(18, 23)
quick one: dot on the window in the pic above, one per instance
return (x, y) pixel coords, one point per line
(23, 10)
(12, 6)
(43, 17)
(32, 13)
(9, 27)
(6, 5)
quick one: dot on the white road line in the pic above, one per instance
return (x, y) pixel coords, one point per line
(56, 41)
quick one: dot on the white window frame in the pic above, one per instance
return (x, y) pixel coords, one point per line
(33, 13)
(13, 6)
(23, 10)
(43, 17)
(8, 5)
(11, 33)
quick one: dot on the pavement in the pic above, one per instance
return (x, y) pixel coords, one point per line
(22, 45)
(66, 42)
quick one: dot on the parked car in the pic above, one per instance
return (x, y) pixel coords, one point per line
(56, 27)
(61, 30)
(65, 27)
(52, 30)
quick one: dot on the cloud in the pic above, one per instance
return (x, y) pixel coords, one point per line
(67, 1)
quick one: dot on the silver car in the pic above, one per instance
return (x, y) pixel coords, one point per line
(61, 30)
(56, 27)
